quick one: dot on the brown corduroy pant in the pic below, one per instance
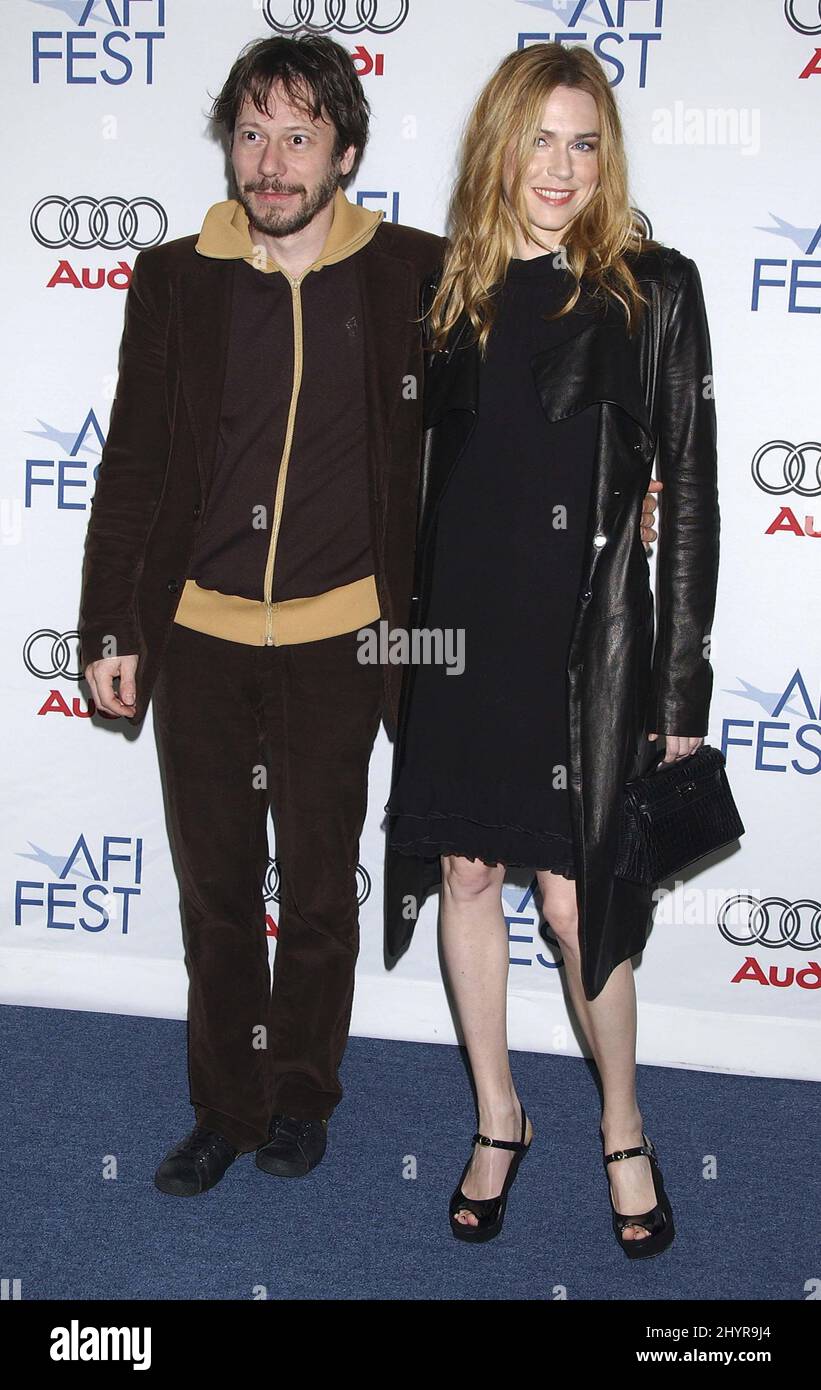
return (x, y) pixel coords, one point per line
(241, 730)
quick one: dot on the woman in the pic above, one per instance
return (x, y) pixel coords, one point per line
(552, 381)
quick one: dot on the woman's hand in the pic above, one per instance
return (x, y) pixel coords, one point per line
(648, 514)
(678, 746)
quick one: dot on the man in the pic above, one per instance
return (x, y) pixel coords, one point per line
(255, 510)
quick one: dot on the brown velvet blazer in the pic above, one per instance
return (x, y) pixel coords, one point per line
(153, 481)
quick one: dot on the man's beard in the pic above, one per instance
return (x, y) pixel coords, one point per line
(276, 222)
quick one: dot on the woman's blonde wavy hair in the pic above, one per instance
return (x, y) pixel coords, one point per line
(483, 222)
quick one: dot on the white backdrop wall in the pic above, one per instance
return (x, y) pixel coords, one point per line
(108, 100)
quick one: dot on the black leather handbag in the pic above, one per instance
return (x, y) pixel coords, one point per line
(674, 815)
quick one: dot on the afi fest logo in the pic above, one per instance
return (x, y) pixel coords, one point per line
(89, 889)
(787, 741)
(65, 480)
(342, 17)
(782, 469)
(804, 16)
(109, 41)
(621, 33)
(526, 927)
(793, 282)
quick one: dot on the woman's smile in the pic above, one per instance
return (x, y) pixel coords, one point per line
(555, 197)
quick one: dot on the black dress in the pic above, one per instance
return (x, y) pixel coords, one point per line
(485, 755)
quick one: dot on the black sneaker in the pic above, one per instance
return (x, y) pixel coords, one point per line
(294, 1148)
(195, 1164)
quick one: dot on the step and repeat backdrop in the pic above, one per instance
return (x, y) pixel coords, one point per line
(109, 150)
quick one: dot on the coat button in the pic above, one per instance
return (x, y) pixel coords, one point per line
(197, 510)
(599, 540)
(173, 586)
(587, 594)
(639, 448)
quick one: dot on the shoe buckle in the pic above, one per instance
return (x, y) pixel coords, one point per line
(484, 1141)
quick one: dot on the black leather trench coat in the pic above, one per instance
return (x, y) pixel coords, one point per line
(627, 675)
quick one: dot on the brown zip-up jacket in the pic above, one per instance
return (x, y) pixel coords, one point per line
(284, 555)
(153, 554)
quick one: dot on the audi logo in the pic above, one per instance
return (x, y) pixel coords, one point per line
(806, 7)
(272, 882)
(789, 465)
(375, 16)
(55, 654)
(271, 887)
(363, 884)
(642, 221)
(112, 222)
(755, 917)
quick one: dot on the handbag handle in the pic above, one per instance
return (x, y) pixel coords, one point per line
(654, 766)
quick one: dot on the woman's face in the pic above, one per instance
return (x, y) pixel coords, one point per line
(563, 172)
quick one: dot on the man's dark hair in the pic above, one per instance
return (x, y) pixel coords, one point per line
(314, 71)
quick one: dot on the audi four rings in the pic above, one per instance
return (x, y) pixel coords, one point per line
(272, 881)
(109, 222)
(791, 461)
(372, 16)
(752, 925)
(57, 659)
(800, 15)
(271, 885)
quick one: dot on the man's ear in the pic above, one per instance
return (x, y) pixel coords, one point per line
(347, 160)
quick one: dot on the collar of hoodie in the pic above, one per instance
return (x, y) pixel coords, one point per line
(225, 234)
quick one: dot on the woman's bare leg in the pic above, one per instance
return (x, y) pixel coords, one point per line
(609, 1024)
(476, 954)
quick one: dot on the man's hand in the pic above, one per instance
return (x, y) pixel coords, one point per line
(648, 514)
(100, 676)
(678, 746)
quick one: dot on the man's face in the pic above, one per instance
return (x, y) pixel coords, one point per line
(284, 165)
(563, 172)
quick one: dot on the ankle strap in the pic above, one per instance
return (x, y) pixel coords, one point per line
(645, 1150)
(514, 1144)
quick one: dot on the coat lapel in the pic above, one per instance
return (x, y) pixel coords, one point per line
(597, 363)
(592, 362)
(452, 376)
(203, 323)
(390, 305)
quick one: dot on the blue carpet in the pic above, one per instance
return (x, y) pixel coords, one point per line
(83, 1087)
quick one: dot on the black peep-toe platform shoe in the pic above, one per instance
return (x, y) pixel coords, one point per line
(489, 1211)
(658, 1222)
